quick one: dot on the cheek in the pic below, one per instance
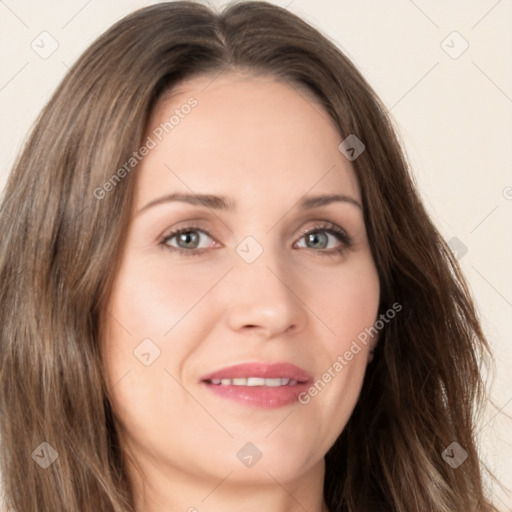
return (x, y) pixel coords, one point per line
(151, 298)
(349, 307)
(157, 310)
(348, 303)
(143, 323)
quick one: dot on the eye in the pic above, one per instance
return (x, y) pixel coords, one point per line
(320, 236)
(187, 240)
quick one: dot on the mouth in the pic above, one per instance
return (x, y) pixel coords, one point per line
(260, 385)
(254, 381)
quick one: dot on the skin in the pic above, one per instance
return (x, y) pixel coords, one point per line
(264, 145)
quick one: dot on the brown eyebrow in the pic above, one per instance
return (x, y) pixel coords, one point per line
(308, 203)
(224, 203)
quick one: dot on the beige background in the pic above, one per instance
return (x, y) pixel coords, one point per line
(453, 111)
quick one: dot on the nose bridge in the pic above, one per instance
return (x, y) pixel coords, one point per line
(263, 293)
(263, 264)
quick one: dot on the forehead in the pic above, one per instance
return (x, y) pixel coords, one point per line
(252, 136)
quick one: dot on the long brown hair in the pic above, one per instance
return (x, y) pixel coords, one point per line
(60, 245)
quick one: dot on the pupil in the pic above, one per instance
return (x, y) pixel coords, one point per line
(313, 237)
(185, 238)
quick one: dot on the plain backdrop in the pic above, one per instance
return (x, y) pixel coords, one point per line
(443, 70)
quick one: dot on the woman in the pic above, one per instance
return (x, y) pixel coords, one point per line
(320, 351)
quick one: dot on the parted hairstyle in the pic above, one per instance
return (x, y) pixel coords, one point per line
(61, 244)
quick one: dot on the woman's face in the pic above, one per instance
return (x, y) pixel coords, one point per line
(242, 285)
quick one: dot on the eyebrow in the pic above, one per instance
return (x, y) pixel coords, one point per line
(215, 202)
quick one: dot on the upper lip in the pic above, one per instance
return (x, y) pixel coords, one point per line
(260, 369)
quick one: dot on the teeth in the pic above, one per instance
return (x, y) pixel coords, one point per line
(274, 383)
(255, 381)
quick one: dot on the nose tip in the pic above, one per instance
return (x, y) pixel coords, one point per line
(261, 300)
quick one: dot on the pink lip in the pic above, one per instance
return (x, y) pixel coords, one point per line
(265, 370)
(265, 397)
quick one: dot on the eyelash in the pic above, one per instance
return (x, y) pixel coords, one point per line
(332, 229)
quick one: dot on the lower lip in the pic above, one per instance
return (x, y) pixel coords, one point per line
(263, 397)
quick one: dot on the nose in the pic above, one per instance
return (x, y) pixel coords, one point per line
(264, 298)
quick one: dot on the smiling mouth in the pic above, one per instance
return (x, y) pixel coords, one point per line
(258, 384)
